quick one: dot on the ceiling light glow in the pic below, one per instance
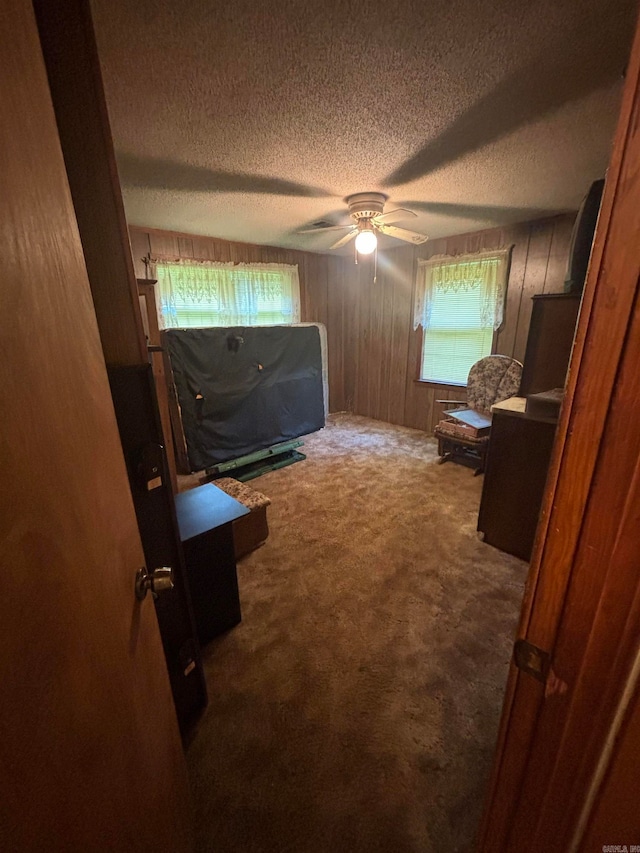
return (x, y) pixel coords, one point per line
(366, 241)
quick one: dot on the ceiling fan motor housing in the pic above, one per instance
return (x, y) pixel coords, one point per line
(364, 206)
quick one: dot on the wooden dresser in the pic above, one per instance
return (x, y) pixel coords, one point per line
(520, 444)
(515, 476)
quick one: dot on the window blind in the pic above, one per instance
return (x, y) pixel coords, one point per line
(456, 338)
(459, 305)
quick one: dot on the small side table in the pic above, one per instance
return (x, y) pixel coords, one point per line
(205, 517)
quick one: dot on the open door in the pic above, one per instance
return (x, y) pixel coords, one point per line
(563, 778)
(90, 753)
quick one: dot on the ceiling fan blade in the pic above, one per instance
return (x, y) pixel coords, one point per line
(344, 240)
(396, 215)
(403, 234)
(322, 228)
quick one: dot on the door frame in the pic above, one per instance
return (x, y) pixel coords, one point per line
(601, 351)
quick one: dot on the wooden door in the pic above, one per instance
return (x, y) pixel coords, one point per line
(90, 754)
(563, 759)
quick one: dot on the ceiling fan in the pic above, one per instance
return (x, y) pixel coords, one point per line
(366, 210)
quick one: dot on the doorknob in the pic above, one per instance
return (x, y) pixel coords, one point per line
(159, 580)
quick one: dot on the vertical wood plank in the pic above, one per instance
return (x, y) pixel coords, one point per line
(414, 391)
(424, 412)
(375, 295)
(139, 241)
(401, 277)
(164, 244)
(306, 312)
(363, 405)
(534, 278)
(559, 253)
(474, 242)
(387, 341)
(335, 335)
(350, 332)
(519, 238)
(185, 247)
(200, 248)
(320, 263)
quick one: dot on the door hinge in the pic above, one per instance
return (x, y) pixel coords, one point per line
(532, 660)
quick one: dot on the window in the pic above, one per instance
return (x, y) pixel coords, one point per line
(195, 293)
(459, 304)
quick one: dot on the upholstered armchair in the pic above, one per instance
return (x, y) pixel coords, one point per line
(491, 380)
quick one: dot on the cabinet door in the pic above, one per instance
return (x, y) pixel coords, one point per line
(516, 472)
(211, 568)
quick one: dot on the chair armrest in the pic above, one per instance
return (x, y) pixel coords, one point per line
(453, 402)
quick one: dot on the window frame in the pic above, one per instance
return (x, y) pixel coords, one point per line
(420, 333)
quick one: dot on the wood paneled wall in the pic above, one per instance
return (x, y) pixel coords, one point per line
(380, 351)
(372, 348)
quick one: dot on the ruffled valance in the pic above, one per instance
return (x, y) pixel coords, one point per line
(211, 293)
(486, 272)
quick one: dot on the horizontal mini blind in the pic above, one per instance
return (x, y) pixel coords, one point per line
(456, 337)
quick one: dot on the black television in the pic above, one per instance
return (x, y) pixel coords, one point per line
(582, 238)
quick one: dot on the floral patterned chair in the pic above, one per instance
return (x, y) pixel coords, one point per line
(491, 380)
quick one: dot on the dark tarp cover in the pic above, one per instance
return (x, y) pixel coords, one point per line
(244, 389)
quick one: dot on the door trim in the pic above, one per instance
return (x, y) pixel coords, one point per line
(610, 292)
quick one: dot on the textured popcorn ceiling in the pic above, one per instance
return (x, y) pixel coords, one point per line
(249, 120)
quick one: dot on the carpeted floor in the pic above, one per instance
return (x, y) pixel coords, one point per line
(356, 706)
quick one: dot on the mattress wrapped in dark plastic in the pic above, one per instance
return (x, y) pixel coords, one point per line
(245, 389)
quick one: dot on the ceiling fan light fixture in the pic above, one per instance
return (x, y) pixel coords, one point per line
(368, 217)
(366, 242)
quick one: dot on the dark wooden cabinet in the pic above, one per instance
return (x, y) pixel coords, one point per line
(133, 392)
(549, 342)
(205, 517)
(515, 476)
(520, 444)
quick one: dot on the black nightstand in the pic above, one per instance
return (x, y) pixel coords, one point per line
(204, 518)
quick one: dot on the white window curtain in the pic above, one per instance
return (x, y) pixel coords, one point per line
(459, 304)
(206, 293)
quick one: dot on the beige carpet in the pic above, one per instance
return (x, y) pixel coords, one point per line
(356, 706)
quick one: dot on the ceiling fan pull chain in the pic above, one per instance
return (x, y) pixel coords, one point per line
(375, 266)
